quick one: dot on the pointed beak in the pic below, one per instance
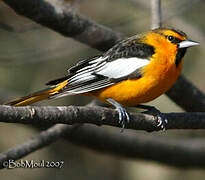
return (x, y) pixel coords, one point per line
(187, 43)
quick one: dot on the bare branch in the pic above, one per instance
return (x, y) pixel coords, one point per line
(156, 14)
(98, 116)
(186, 95)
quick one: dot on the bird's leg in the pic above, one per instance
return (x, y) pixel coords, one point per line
(123, 115)
(161, 118)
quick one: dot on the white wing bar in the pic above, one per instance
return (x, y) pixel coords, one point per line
(121, 67)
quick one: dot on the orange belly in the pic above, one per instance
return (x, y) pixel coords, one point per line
(132, 92)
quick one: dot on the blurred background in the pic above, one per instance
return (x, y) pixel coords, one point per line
(31, 55)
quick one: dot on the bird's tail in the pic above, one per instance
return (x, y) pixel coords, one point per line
(38, 96)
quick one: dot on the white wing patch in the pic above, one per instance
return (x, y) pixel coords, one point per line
(85, 79)
(121, 67)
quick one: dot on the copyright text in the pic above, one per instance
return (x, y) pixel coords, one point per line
(11, 164)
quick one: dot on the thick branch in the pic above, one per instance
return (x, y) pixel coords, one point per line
(186, 95)
(98, 116)
(66, 21)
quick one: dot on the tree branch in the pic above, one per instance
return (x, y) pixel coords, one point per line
(65, 20)
(186, 95)
(98, 116)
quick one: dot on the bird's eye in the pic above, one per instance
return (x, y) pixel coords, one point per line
(170, 38)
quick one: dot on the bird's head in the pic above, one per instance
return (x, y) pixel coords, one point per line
(176, 37)
(171, 41)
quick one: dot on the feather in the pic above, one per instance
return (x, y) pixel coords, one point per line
(121, 67)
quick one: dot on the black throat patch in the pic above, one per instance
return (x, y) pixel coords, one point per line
(180, 54)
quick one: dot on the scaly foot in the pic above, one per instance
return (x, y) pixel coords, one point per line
(123, 115)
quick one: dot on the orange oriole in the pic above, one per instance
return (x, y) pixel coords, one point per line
(134, 71)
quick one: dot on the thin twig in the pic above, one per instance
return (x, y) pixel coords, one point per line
(156, 14)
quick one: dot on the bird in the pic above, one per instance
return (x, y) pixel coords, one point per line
(136, 70)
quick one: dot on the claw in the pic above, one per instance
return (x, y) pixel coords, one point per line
(162, 121)
(123, 115)
(159, 121)
(161, 118)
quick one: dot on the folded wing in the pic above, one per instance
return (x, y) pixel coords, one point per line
(118, 64)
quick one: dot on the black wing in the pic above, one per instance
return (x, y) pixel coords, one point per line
(123, 61)
(131, 47)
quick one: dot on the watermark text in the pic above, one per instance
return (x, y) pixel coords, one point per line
(11, 164)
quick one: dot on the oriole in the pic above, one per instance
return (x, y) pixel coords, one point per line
(134, 71)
